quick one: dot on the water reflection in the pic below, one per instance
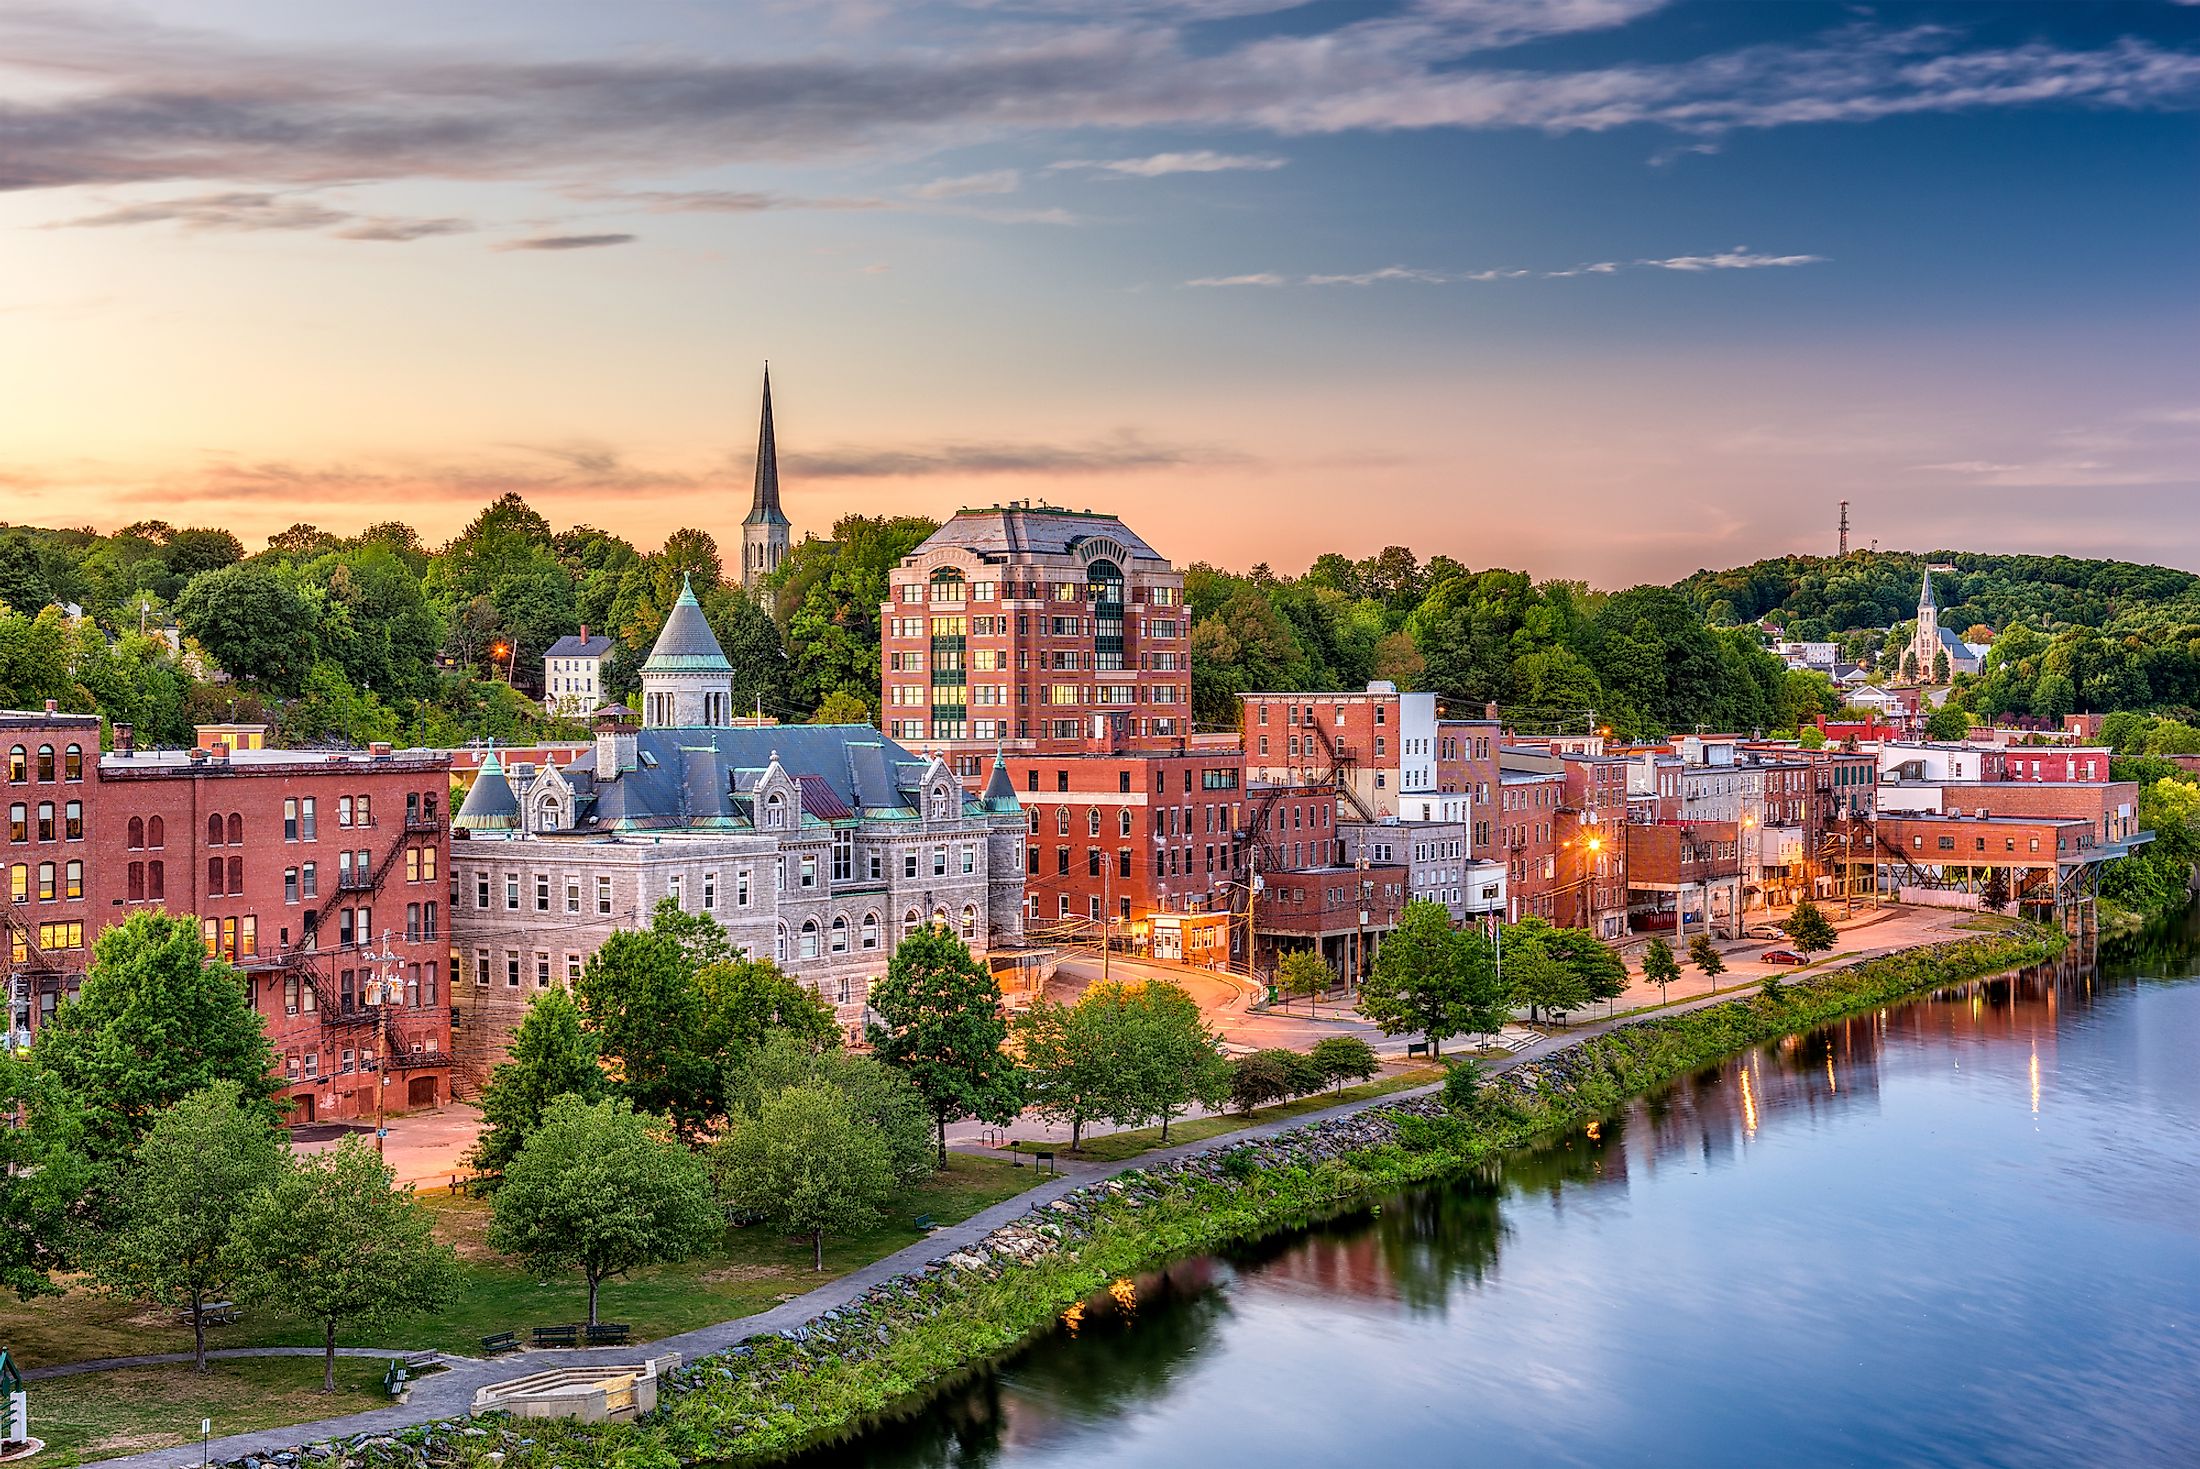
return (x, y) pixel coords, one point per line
(1820, 1209)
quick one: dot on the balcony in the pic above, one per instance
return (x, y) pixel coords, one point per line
(429, 822)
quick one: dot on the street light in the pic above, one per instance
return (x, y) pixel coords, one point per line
(385, 988)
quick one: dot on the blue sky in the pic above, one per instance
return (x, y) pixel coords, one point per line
(1601, 288)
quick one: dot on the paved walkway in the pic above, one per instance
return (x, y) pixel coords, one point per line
(213, 1354)
(449, 1394)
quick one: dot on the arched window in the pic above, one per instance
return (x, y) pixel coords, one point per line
(870, 930)
(970, 922)
(909, 922)
(19, 764)
(236, 830)
(1061, 821)
(213, 831)
(156, 833)
(775, 811)
(809, 938)
(840, 935)
(137, 834)
(45, 762)
(779, 943)
(1124, 820)
(1092, 821)
(72, 763)
(19, 882)
(939, 918)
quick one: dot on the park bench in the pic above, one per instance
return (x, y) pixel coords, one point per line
(213, 1313)
(393, 1381)
(419, 1362)
(1416, 1048)
(557, 1336)
(608, 1334)
(924, 1224)
(499, 1344)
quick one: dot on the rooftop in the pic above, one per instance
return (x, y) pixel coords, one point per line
(1022, 528)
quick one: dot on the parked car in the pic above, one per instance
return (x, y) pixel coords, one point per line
(1782, 956)
(1765, 931)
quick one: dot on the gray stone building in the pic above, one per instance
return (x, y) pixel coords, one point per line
(815, 846)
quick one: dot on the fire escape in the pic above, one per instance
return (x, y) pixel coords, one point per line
(1332, 769)
(31, 970)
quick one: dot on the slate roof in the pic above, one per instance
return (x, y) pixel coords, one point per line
(490, 804)
(1001, 531)
(764, 504)
(707, 778)
(570, 646)
(1000, 791)
(686, 643)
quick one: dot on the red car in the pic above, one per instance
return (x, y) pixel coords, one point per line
(1782, 956)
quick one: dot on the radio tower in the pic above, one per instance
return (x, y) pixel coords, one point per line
(1844, 527)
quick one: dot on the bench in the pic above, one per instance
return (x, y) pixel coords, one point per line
(924, 1224)
(1416, 1048)
(499, 1344)
(213, 1313)
(393, 1381)
(557, 1336)
(418, 1362)
(608, 1334)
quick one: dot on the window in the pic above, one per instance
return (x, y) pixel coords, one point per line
(156, 880)
(542, 892)
(290, 821)
(45, 762)
(511, 969)
(307, 825)
(481, 966)
(741, 887)
(18, 765)
(542, 971)
(970, 921)
(511, 891)
(19, 822)
(603, 897)
(572, 969)
(343, 810)
(809, 938)
(572, 895)
(909, 864)
(870, 930)
(710, 891)
(809, 871)
(72, 763)
(45, 882)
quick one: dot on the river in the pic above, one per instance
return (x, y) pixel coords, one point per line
(1964, 1231)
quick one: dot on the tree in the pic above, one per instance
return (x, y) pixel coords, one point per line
(1304, 972)
(154, 1021)
(1073, 1057)
(841, 706)
(1705, 956)
(746, 1000)
(1808, 929)
(941, 1024)
(1542, 982)
(1951, 721)
(879, 1097)
(1343, 1058)
(335, 1242)
(254, 621)
(1995, 897)
(1433, 980)
(551, 1056)
(1259, 1078)
(1811, 737)
(43, 1175)
(1173, 1059)
(1659, 966)
(1602, 974)
(174, 1243)
(599, 1188)
(639, 995)
(807, 1164)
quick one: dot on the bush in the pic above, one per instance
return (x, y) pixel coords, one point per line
(1343, 1058)
(1463, 1085)
(1273, 1075)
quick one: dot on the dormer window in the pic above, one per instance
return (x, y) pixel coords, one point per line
(775, 812)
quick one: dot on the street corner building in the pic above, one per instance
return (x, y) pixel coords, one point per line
(320, 875)
(815, 846)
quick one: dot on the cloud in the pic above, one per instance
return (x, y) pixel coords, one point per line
(111, 97)
(249, 211)
(999, 181)
(567, 242)
(716, 201)
(1121, 452)
(1158, 165)
(1739, 258)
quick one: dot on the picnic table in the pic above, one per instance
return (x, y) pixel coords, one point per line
(212, 1313)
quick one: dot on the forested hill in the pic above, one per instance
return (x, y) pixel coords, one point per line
(1818, 598)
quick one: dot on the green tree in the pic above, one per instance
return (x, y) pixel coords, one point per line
(1539, 979)
(43, 1177)
(640, 998)
(1074, 1057)
(1304, 972)
(174, 1243)
(336, 1243)
(880, 1097)
(1705, 956)
(1602, 974)
(552, 1055)
(745, 1000)
(1343, 1058)
(1659, 965)
(154, 1021)
(599, 1188)
(1173, 1059)
(255, 622)
(941, 1024)
(1951, 721)
(841, 706)
(807, 1164)
(1261, 1077)
(1995, 896)
(1808, 929)
(1433, 980)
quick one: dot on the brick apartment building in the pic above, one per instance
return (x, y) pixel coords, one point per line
(321, 876)
(1015, 624)
(324, 877)
(1374, 744)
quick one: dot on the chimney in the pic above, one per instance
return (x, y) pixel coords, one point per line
(125, 740)
(584, 633)
(379, 749)
(53, 707)
(219, 752)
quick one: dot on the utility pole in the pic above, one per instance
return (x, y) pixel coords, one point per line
(1844, 527)
(1107, 918)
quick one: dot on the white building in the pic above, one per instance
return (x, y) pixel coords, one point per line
(572, 674)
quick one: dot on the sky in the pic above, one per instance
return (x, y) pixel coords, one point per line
(1605, 289)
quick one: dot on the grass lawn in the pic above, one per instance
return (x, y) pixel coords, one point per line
(98, 1415)
(752, 1272)
(1115, 1147)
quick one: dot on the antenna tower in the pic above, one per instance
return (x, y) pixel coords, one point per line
(1844, 527)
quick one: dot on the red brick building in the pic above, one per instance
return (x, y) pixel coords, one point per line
(1466, 764)
(323, 876)
(1374, 744)
(51, 915)
(1029, 624)
(1527, 840)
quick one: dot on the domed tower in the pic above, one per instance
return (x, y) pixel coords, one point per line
(765, 532)
(686, 681)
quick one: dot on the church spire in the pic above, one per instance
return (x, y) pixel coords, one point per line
(764, 506)
(1925, 597)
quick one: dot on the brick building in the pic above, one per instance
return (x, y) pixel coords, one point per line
(1527, 837)
(1022, 623)
(1373, 743)
(1466, 764)
(52, 914)
(323, 876)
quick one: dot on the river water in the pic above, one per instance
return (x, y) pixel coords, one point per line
(1965, 1231)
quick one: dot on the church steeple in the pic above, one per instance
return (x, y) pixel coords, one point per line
(764, 533)
(1924, 597)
